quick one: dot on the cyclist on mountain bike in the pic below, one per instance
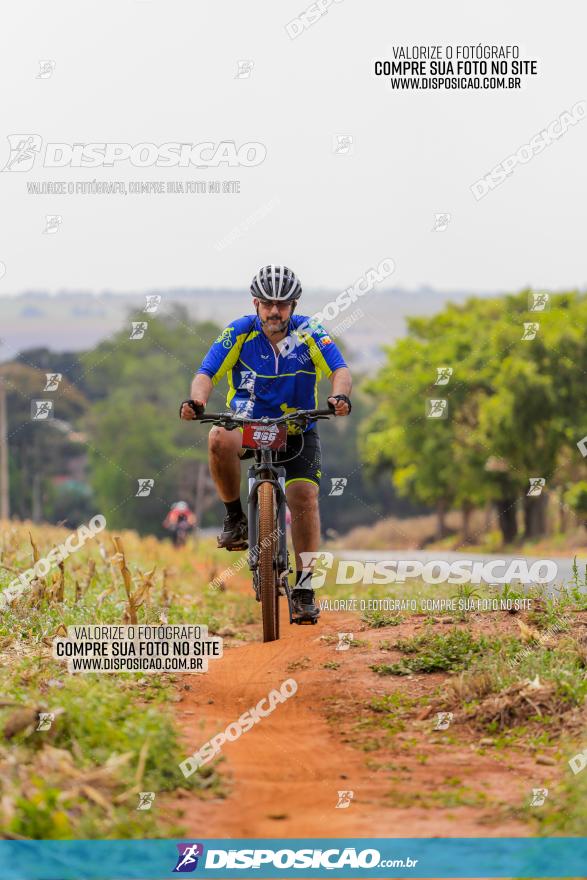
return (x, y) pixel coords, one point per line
(179, 521)
(273, 361)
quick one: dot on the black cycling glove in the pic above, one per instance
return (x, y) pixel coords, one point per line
(346, 399)
(196, 407)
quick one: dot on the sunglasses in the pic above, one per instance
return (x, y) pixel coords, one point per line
(268, 303)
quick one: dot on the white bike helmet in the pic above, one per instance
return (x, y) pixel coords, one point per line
(276, 284)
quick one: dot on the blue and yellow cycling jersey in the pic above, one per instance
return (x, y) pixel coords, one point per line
(262, 382)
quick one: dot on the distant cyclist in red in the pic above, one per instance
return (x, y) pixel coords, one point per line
(179, 521)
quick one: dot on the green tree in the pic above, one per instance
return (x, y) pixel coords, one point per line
(38, 449)
(516, 407)
(134, 429)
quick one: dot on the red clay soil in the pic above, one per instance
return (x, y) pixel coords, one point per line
(284, 774)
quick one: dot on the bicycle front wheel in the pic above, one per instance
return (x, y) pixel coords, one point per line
(267, 572)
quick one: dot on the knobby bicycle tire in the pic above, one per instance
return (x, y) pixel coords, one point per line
(266, 569)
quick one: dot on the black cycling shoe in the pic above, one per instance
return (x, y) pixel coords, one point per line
(304, 607)
(235, 532)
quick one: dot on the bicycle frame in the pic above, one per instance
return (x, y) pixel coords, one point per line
(266, 470)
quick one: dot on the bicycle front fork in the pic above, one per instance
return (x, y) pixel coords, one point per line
(277, 479)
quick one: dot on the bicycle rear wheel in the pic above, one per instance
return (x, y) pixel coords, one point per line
(267, 571)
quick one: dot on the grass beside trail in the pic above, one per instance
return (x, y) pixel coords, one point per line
(515, 683)
(439, 652)
(113, 735)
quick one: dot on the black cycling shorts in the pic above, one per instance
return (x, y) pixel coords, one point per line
(302, 458)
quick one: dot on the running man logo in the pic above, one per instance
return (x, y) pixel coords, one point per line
(23, 151)
(318, 562)
(441, 222)
(443, 720)
(138, 329)
(342, 144)
(52, 224)
(145, 486)
(247, 382)
(437, 409)
(53, 380)
(536, 486)
(244, 68)
(344, 799)
(539, 795)
(443, 375)
(338, 484)
(530, 330)
(45, 720)
(46, 69)
(344, 641)
(187, 860)
(41, 410)
(538, 302)
(146, 799)
(152, 302)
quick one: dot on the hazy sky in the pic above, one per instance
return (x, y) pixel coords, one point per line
(137, 71)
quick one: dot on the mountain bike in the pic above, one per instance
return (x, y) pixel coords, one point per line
(268, 554)
(180, 532)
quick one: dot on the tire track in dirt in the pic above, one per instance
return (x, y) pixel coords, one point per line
(284, 773)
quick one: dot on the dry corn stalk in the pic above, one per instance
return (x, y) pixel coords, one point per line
(91, 573)
(40, 584)
(104, 594)
(142, 594)
(140, 771)
(165, 597)
(60, 592)
(94, 795)
(119, 559)
(36, 556)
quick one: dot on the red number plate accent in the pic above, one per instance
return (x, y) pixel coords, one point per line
(264, 436)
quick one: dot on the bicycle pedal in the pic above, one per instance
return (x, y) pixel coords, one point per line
(302, 621)
(234, 547)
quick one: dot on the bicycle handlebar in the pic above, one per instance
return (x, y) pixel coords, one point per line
(236, 420)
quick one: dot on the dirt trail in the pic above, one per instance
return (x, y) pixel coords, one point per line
(284, 774)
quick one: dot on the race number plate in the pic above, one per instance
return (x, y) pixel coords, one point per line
(264, 436)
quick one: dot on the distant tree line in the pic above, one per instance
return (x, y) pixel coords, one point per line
(515, 409)
(116, 408)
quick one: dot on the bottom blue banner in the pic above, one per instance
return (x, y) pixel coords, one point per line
(310, 857)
